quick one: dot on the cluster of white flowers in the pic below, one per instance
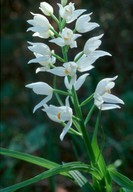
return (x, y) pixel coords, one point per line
(70, 70)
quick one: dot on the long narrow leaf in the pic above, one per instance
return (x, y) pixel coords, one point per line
(121, 179)
(29, 158)
(95, 147)
(82, 181)
(54, 171)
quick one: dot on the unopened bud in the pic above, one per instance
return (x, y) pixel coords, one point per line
(64, 2)
(46, 8)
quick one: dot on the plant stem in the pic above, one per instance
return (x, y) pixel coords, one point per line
(58, 57)
(83, 128)
(89, 115)
(87, 100)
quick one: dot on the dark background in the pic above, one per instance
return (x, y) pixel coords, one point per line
(24, 131)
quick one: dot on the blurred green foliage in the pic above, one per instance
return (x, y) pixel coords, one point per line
(22, 130)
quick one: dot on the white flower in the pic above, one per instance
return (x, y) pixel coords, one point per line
(68, 68)
(84, 63)
(74, 82)
(90, 49)
(60, 114)
(84, 25)
(67, 38)
(103, 98)
(92, 44)
(69, 13)
(41, 88)
(41, 26)
(46, 8)
(43, 55)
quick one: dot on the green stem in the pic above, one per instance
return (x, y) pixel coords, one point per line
(55, 18)
(58, 57)
(80, 55)
(56, 94)
(64, 52)
(87, 100)
(61, 92)
(55, 32)
(89, 115)
(83, 128)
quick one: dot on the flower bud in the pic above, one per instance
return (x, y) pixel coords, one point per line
(46, 8)
(64, 2)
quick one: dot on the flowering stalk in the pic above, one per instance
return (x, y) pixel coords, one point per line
(69, 114)
(83, 62)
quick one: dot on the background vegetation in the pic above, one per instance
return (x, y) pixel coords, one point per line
(24, 131)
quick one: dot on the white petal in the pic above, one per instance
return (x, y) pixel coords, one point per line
(84, 63)
(109, 106)
(105, 85)
(59, 71)
(92, 44)
(59, 41)
(40, 88)
(39, 60)
(40, 48)
(41, 69)
(99, 53)
(109, 98)
(75, 15)
(67, 83)
(89, 27)
(73, 44)
(80, 81)
(52, 112)
(65, 130)
(43, 102)
(83, 25)
(67, 102)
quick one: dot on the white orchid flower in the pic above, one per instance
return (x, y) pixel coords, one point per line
(68, 68)
(69, 13)
(41, 88)
(92, 44)
(60, 114)
(67, 38)
(84, 25)
(43, 55)
(84, 63)
(90, 49)
(41, 26)
(46, 8)
(74, 82)
(103, 98)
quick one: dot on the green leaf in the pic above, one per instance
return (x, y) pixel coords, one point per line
(98, 154)
(99, 157)
(54, 171)
(87, 100)
(125, 190)
(89, 114)
(43, 163)
(121, 179)
(29, 158)
(82, 181)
